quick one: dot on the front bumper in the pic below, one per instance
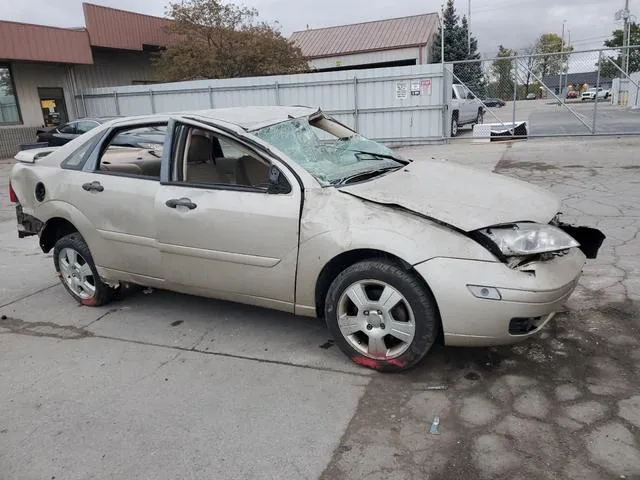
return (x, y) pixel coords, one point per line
(536, 292)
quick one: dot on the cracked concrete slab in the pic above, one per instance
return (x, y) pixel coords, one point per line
(477, 410)
(567, 392)
(629, 409)
(586, 412)
(613, 447)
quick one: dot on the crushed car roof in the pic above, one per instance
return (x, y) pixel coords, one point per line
(251, 118)
(248, 118)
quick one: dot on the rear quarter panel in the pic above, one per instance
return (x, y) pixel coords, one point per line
(57, 181)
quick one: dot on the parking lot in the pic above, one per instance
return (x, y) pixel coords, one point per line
(161, 385)
(549, 118)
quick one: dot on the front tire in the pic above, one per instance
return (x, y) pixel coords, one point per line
(78, 273)
(381, 316)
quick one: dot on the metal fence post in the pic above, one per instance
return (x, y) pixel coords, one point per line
(515, 92)
(210, 96)
(445, 131)
(277, 92)
(153, 103)
(355, 103)
(595, 101)
(84, 104)
(115, 100)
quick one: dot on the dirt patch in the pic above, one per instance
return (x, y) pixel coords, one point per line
(506, 164)
(43, 329)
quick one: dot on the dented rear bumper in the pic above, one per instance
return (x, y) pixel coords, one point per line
(28, 225)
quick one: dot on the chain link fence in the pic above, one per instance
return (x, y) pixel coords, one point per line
(590, 92)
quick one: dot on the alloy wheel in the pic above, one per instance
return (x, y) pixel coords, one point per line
(76, 273)
(376, 319)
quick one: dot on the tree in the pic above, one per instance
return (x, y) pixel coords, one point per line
(454, 48)
(547, 63)
(223, 40)
(530, 62)
(607, 70)
(502, 71)
(457, 47)
(6, 88)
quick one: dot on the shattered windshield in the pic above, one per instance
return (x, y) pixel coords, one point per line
(332, 153)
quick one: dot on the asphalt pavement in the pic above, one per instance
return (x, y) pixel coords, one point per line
(162, 385)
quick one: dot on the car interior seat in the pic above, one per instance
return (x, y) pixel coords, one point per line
(200, 166)
(252, 172)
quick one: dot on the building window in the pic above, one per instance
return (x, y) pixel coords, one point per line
(9, 111)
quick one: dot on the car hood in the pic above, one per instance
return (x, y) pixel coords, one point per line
(459, 196)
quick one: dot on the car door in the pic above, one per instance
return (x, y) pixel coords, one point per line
(227, 219)
(469, 106)
(84, 126)
(115, 191)
(64, 134)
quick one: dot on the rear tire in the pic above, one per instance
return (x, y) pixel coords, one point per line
(78, 273)
(381, 316)
(454, 125)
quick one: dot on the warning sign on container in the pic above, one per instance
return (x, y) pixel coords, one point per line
(426, 87)
(402, 90)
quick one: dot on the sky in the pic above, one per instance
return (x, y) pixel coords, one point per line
(512, 23)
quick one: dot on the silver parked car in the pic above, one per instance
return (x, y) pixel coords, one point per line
(286, 208)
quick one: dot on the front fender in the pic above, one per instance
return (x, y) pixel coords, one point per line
(334, 223)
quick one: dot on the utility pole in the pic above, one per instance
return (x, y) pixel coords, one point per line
(566, 75)
(469, 30)
(442, 36)
(625, 36)
(562, 57)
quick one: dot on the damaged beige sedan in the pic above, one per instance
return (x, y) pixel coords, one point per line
(286, 208)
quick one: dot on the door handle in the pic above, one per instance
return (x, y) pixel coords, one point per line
(93, 186)
(180, 202)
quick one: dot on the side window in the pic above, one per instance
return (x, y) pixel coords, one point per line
(75, 161)
(68, 128)
(84, 127)
(133, 151)
(207, 158)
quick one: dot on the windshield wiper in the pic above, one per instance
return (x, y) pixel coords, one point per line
(369, 174)
(378, 155)
(384, 156)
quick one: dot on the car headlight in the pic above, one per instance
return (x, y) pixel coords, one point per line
(529, 239)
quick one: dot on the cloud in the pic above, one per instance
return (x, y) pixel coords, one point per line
(512, 23)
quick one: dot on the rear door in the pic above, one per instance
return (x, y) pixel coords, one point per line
(227, 219)
(116, 191)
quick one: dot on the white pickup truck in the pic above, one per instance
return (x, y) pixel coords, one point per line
(465, 108)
